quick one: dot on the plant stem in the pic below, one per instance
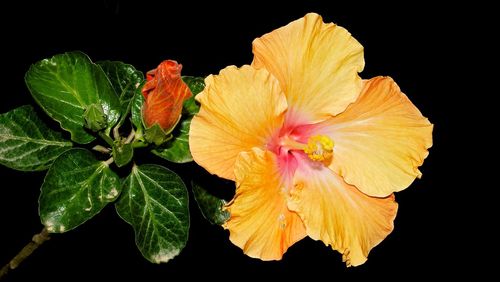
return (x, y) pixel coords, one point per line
(116, 132)
(106, 138)
(138, 144)
(109, 161)
(130, 137)
(101, 149)
(36, 241)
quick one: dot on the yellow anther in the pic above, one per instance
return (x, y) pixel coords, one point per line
(319, 148)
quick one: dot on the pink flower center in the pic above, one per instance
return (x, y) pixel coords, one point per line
(298, 142)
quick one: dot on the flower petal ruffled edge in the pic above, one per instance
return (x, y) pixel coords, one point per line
(380, 140)
(339, 214)
(260, 223)
(317, 65)
(241, 108)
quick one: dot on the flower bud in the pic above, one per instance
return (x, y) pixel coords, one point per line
(164, 94)
(94, 118)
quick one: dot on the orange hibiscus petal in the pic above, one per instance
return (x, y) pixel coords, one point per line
(340, 215)
(380, 140)
(241, 108)
(317, 65)
(260, 222)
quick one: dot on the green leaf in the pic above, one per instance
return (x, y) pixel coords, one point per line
(155, 203)
(210, 206)
(196, 85)
(26, 143)
(136, 110)
(76, 187)
(122, 153)
(126, 81)
(66, 85)
(177, 149)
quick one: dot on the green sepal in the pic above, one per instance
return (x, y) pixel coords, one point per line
(156, 135)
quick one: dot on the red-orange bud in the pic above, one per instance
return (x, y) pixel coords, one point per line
(164, 94)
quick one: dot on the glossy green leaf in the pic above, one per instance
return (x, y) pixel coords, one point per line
(210, 206)
(177, 149)
(136, 111)
(66, 85)
(76, 187)
(26, 143)
(196, 85)
(126, 81)
(155, 203)
(122, 153)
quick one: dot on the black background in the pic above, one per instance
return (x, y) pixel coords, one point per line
(415, 44)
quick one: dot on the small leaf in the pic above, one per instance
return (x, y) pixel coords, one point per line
(210, 206)
(177, 149)
(76, 187)
(125, 79)
(136, 110)
(66, 85)
(122, 153)
(196, 85)
(26, 143)
(155, 203)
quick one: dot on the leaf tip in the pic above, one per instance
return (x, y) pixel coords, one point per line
(164, 255)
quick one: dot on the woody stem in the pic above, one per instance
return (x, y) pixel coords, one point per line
(36, 241)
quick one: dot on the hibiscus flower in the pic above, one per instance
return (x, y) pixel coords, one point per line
(314, 149)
